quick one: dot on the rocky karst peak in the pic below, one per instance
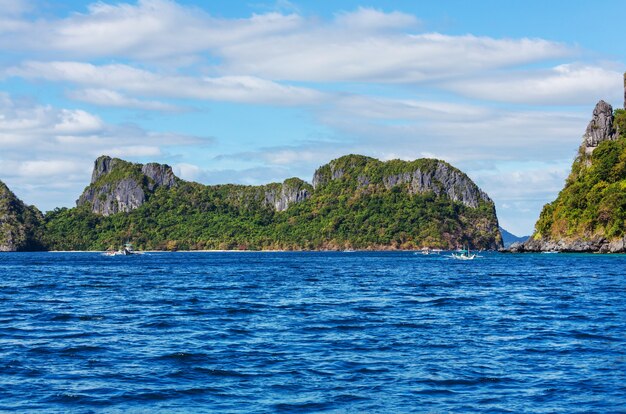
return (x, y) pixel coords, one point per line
(120, 186)
(601, 127)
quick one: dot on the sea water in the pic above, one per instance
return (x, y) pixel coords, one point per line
(312, 332)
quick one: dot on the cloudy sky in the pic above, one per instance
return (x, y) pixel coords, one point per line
(258, 91)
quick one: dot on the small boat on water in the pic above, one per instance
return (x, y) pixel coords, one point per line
(464, 255)
(126, 250)
(428, 251)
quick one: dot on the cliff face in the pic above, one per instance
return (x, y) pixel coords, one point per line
(589, 214)
(601, 127)
(20, 225)
(119, 186)
(280, 196)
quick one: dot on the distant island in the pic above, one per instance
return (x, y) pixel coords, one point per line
(509, 238)
(589, 214)
(353, 202)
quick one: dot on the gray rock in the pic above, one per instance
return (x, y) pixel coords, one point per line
(122, 197)
(444, 180)
(600, 128)
(127, 193)
(160, 175)
(617, 246)
(596, 245)
(328, 173)
(290, 192)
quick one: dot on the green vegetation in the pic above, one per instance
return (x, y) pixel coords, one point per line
(593, 202)
(358, 208)
(20, 225)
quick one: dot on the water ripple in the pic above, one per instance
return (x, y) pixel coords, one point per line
(312, 332)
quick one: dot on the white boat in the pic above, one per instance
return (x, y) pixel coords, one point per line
(464, 255)
(126, 250)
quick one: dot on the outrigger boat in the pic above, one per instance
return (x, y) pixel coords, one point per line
(125, 250)
(464, 255)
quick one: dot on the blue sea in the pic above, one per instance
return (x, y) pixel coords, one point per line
(375, 332)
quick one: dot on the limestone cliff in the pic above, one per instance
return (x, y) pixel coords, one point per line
(601, 127)
(120, 186)
(20, 225)
(291, 191)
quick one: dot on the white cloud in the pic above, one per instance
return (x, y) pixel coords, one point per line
(186, 171)
(361, 45)
(475, 135)
(565, 84)
(107, 97)
(336, 54)
(45, 169)
(14, 7)
(370, 107)
(149, 29)
(520, 191)
(245, 89)
(372, 19)
(76, 122)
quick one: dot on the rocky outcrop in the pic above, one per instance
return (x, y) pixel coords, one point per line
(596, 245)
(112, 198)
(601, 127)
(20, 225)
(119, 186)
(443, 180)
(159, 175)
(293, 190)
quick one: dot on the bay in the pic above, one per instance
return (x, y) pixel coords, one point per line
(312, 332)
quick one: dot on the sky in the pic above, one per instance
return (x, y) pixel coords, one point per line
(253, 92)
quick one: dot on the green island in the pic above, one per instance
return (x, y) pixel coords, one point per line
(353, 202)
(589, 214)
(593, 202)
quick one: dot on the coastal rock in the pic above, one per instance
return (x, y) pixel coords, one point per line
(600, 128)
(596, 245)
(119, 186)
